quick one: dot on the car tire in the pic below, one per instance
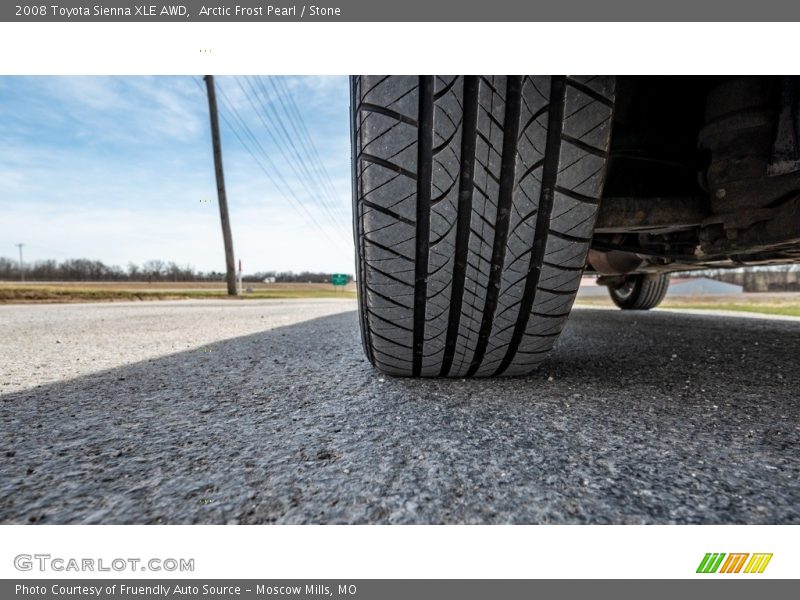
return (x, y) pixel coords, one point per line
(640, 292)
(474, 204)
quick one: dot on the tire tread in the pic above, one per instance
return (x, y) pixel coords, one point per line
(474, 205)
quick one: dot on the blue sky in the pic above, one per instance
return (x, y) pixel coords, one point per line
(120, 169)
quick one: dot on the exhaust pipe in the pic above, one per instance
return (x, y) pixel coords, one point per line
(614, 262)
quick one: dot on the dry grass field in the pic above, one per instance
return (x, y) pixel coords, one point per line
(75, 291)
(78, 291)
(787, 304)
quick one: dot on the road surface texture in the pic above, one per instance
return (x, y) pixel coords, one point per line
(267, 412)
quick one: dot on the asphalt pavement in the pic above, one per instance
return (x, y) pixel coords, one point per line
(267, 412)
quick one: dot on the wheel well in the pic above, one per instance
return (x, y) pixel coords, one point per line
(703, 171)
(655, 130)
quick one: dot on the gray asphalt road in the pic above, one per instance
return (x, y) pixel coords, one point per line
(267, 412)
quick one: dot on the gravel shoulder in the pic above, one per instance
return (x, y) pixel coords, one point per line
(267, 412)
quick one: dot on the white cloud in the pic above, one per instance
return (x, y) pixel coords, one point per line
(116, 168)
(265, 237)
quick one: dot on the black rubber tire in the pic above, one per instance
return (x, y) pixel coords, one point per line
(474, 203)
(640, 292)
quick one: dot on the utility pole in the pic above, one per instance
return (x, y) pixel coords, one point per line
(223, 201)
(21, 272)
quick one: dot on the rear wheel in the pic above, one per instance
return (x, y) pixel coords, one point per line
(474, 204)
(640, 292)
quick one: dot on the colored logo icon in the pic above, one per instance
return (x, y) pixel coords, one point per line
(719, 562)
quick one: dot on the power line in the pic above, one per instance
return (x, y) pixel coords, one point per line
(316, 177)
(305, 135)
(295, 162)
(67, 254)
(283, 187)
(286, 186)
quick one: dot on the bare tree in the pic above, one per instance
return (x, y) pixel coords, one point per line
(153, 269)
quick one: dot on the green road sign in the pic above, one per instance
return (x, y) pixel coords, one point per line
(339, 279)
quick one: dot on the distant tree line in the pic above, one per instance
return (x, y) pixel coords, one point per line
(83, 269)
(779, 278)
(291, 277)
